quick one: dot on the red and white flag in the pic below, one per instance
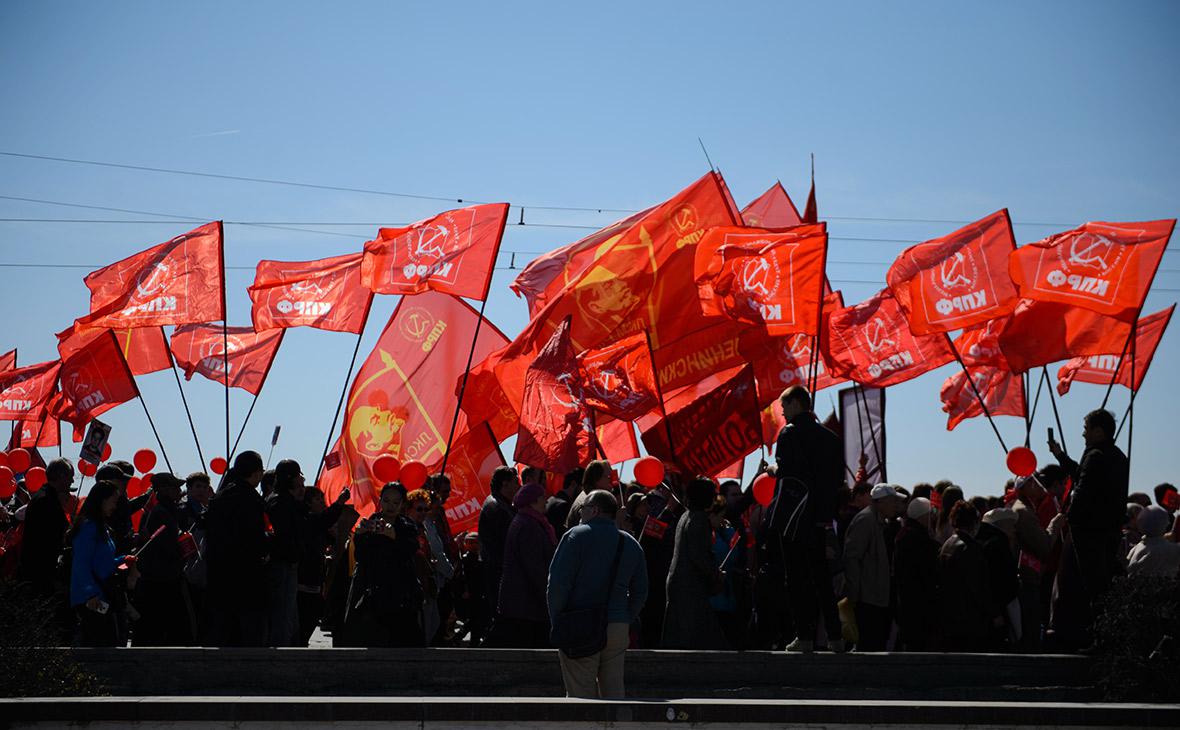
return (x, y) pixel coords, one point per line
(453, 253)
(871, 343)
(94, 379)
(144, 348)
(1002, 392)
(25, 391)
(203, 348)
(1105, 267)
(770, 278)
(958, 280)
(1103, 369)
(1038, 333)
(618, 378)
(326, 294)
(177, 282)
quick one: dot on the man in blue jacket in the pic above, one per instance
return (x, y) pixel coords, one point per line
(578, 578)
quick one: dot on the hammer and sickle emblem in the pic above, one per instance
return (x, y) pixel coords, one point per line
(952, 273)
(685, 219)
(417, 324)
(574, 401)
(152, 280)
(431, 240)
(754, 277)
(876, 336)
(1090, 249)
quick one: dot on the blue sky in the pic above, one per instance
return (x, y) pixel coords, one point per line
(1062, 112)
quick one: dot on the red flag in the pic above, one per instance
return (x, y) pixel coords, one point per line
(1100, 369)
(453, 253)
(1001, 390)
(325, 294)
(871, 343)
(733, 471)
(617, 439)
(712, 431)
(8, 360)
(772, 278)
(556, 428)
(94, 380)
(695, 356)
(1106, 267)
(402, 400)
(486, 400)
(772, 209)
(25, 391)
(811, 211)
(144, 348)
(1039, 333)
(958, 280)
(980, 345)
(618, 378)
(474, 456)
(177, 282)
(788, 362)
(202, 348)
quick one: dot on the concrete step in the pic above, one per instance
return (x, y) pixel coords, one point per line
(535, 673)
(312, 713)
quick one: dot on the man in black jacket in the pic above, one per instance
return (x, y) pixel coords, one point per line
(237, 553)
(288, 515)
(165, 614)
(809, 471)
(494, 519)
(1095, 511)
(45, 528)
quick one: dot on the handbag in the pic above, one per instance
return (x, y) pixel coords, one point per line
(581, 632)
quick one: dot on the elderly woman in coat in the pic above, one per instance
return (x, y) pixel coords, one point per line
(689, 619)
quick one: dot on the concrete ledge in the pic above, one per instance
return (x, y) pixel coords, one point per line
(535, 673)
(473, 712)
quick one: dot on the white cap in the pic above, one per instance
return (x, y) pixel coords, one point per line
(918, 507)
(881, 491)
(999, 516)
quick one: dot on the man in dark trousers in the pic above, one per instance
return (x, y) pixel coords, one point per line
(1095, 513)
(809, 471)
(45, 528)
(237, 553)
(494, 519)
(165, 614)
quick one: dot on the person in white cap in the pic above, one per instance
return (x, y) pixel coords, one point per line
(1154, 555)
(915, 568)
(997, 537)
(866, 568)
(1035, 544)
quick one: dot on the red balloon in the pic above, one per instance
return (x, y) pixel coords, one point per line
(387, 468)
(34, 479)
(86, 468)
(413, 475)
(106, 452)
(649, 471)
(3, 459)
(18, 460)
(144, 460)
(764, 489)
(1022, 461)
(138, 485)
(218, 465)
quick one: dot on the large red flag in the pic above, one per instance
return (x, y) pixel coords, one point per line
(486, 400)
(402, 400)
(144, 348)
(1101, 368)
(473, 457)
(871, 343)
(25, 391)
(712, 431)
(202, 348)
(788, 362)
(1106, 267)
(618, 378)
(1002, 392)
(1038, 333)
(556, 426)
(325, 294)
(772, 209)
(177, 282)
(8, 360)
(980, 345)
(771, 278)
(958, 280)
(94, 380)
(453, 252)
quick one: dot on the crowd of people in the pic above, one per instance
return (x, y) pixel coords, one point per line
(264, 560)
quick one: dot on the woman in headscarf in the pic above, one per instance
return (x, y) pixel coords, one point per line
(524, 616)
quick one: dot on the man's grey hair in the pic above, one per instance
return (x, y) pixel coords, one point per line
(603, 501)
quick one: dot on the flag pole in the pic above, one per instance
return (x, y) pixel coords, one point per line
(1131, 407)
(1056, 415)
(463, 384)
(243, 430)
(187, 412)
(1033, 413)
(859, 389)
(224, 335)
(343, 394)
(978, 396)
(660, 393)
(155, 433)
(1119, 366)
